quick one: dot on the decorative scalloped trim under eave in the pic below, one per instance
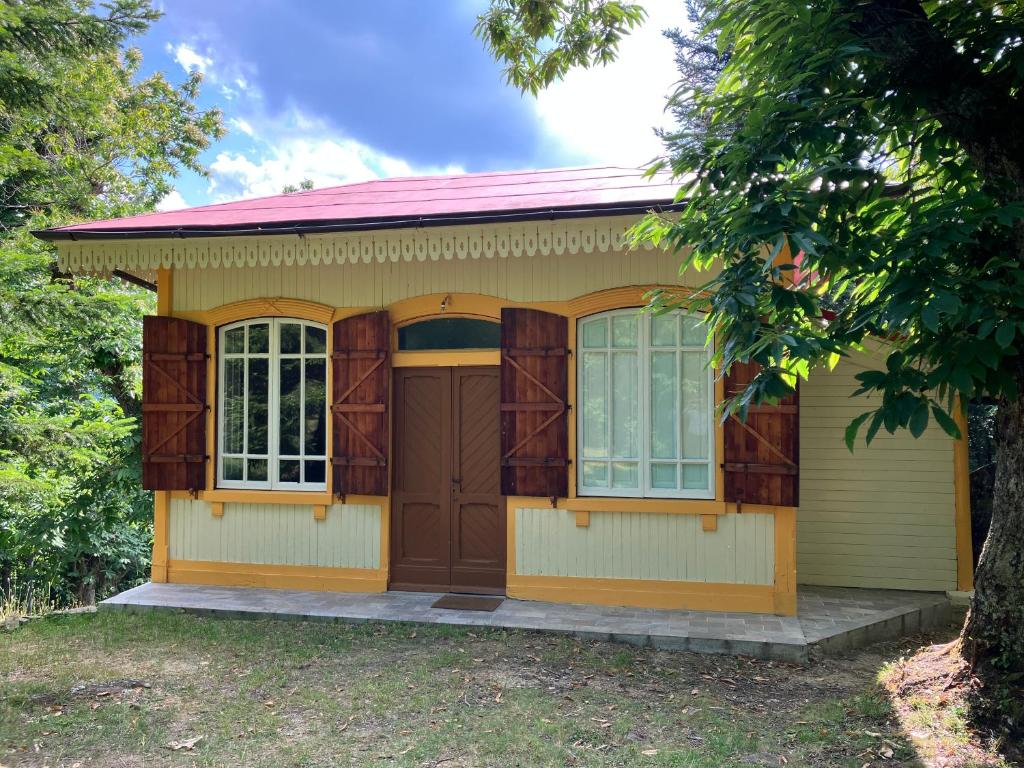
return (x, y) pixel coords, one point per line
(425, 244)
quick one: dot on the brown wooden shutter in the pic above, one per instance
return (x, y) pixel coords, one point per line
(534, 403)
(361, 372)
(762, 455)
(174, 406)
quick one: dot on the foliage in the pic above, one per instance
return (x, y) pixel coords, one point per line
(541, 40)
(879, 143)
(304, 186)
(81, 136)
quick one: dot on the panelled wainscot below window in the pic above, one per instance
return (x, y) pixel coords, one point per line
(646, 406)
(272, 405)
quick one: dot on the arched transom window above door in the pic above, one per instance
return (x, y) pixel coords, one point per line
(272, 405)
(645, 421)
(439, 333)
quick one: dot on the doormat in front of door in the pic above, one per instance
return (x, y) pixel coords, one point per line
(468, 603)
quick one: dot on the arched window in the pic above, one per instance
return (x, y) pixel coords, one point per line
(272, 405)
(449, 333)
(646, 406)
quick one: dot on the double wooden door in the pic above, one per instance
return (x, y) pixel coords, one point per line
(447, 512)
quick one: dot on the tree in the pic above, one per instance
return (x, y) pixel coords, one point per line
(82, 136)
(880, 142)
(304, 186)
(700, 65)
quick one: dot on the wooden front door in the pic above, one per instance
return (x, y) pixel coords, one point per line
(447, 513)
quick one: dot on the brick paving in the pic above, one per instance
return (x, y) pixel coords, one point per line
(831, 619)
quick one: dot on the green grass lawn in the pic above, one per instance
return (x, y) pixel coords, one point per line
(118, 689)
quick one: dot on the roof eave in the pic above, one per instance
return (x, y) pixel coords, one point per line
(355, 225)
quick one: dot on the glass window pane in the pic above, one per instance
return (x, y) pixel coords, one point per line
(234, 405)
(290, 406)
(316, 340)
(696, 417)
(625, 406)
(595, 404)
(663, 475)
(663, 405)
(595, 474)
(291, 338)
(663, 330)
(314, 471)
(288, 470)
(695, 476)
(595, 333)
(233, 469)
(258, 397)
(257, 469)
(316, 399)
(259, 337)
(234, 340)
(625, 475)
(695, 333)
(450, 333)
(624, 330)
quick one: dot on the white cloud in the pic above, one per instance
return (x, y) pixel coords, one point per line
(243, 125)
(172, 202)
(607, 114)
(190, 59)
(299, 147)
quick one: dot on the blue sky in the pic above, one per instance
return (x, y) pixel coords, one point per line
(342, 91)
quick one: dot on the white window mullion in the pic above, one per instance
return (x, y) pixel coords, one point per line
(274, 406)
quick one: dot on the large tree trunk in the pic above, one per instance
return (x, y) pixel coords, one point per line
(994, 631)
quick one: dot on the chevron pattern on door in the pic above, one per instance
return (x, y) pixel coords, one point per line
(448, 515)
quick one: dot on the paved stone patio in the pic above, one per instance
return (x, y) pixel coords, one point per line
(830, 618)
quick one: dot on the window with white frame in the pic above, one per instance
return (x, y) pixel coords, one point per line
(646, 406)
(272, 405)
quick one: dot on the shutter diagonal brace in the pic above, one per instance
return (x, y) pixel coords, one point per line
(558, 406)
(153, 366)
(764, 441)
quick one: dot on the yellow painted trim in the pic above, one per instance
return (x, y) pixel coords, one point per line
(582, 519)
(719, 439)
(305, 577)
(211, 411)
(313, 498)
(161, 525)
(161, 499)
(415, 308)
(385, 536)
(785, 561)
(319, 512)
(269, 307)
(165, 292)
(962, 500)
(217, 508)
(709, 523)
(654, 506)
(644, 593)
(510, 540)
(446, 358)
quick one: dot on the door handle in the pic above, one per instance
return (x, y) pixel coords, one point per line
(456, 483)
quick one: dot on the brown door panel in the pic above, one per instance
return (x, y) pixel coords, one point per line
(421, 502)
(478, 510)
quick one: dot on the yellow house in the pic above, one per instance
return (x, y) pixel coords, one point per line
(444, 384)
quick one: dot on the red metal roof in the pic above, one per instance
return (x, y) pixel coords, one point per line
(404, 202)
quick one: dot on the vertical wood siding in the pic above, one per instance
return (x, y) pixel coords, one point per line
(276, 534)
(522, 278)
(633, 545)
(881, 517)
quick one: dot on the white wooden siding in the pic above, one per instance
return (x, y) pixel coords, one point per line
(633, 545)
(276, 534)
(882, 516)
(377, 284)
